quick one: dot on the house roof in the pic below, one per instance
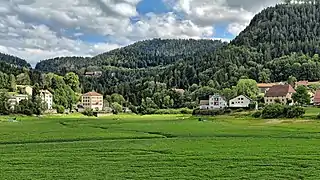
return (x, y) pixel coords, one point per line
(266, 85)
(279, 90)
(45, 91)
(302, 83)
(92, 94)
(204, 102)
(317, 96)
(235, 98)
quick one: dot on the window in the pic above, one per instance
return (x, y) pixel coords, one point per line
(232, 102)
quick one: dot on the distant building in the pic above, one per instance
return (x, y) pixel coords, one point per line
(14, 100)
(240, 102)
(181, 91)
(46, 98)
(24, 89)
(93, 74)
(264, 87)
(283, 93)
(316, 99)
(204, 104)
(92, 100)
(305, 83)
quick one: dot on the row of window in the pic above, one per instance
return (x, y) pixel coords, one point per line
(237, 102)
(272, 100)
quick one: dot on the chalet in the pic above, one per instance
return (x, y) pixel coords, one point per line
(282, 93)
(240, 102)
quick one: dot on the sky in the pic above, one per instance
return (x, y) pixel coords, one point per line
(40, 29)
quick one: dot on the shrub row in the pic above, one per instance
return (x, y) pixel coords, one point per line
(174, 111)
(280, 111)
(211, 112)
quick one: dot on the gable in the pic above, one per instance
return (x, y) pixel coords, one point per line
(241, 96)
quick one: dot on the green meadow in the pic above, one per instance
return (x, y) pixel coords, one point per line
(160, 147)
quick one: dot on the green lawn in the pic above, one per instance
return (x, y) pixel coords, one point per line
(159, 147)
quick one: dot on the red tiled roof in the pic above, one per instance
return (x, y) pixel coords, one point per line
(92, 94)
(302, 83)
(280, 90)
(317, 97)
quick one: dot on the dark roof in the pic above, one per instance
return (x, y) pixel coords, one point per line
(279, 90)
(204, 102)
(92, 94)
(317, 97)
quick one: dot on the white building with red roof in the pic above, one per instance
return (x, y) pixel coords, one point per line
(92, 100)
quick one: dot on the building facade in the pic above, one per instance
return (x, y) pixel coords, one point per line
(217, 102)
(15, 99)
(240, 102)
(46, 98)
(281, 93)
(92, 100)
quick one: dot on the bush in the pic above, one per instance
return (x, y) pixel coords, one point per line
(294, 111)
(280, 111)
(208, 112)
(88, 112)
(273, 111)
(60, 109)
(252, 106)
(228, 111)
(318, 116)
(239, 110)
(186, 111)
(257, 114)
(173, 111)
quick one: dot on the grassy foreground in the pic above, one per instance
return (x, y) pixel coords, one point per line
(159, 147)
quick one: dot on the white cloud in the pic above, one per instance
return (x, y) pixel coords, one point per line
(39, 29)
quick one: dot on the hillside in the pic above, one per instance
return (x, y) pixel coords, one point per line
(283, 29)
(143, 54)
(18, 62)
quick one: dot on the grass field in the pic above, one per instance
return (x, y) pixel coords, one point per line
(159, 147)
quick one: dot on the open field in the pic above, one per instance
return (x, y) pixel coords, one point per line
(159, 147)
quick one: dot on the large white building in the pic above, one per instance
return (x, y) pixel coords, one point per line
(92, 100)
(240, 102)
(215, 102)
(46, 98)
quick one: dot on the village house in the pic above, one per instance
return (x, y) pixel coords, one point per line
(93, 74)
(305, 83)
(264, 87)
(240, 102)
(92, 100)
(215, 102)
(282, 93)
(16, 98)
(46, 98)
(24, 89)
(204, 104)
(316, 99)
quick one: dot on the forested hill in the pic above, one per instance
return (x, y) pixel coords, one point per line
(143, 54)
(18, 62)
(284, 29)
